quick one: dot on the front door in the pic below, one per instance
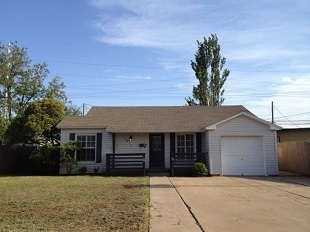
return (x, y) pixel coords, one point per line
(157, 151)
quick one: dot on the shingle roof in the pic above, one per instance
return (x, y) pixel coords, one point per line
(152, 119)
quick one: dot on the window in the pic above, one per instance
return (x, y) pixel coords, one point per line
(88, 148)
(185, 143)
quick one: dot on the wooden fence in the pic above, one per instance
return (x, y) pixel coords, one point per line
(294, 157)
(14, 160)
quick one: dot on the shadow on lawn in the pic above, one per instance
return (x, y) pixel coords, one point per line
(132, 186)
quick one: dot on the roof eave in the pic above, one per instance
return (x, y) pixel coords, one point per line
(80, 127)
(154, 131)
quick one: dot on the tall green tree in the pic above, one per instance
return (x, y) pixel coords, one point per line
(208, 67)
(72, 109)
(20, 81)
(55, 90)
(38, 121)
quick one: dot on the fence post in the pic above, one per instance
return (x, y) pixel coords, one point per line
(108, 162)
(144, 164)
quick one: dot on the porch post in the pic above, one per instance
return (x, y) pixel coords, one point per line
(113, 142)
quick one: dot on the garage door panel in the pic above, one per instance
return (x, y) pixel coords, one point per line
(232, 160)
(228, 150)
(252, 160)
(242, 156)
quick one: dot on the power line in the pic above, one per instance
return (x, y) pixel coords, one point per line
(286, 118)
(100, 64)
(294, 115)
(163, 68)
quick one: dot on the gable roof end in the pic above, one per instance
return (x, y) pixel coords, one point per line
(251, 116)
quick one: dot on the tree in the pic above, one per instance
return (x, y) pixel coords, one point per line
(55, 90)
(20, 82)
(72, 109)
(208, 68)
(38, 121)
(3, 127)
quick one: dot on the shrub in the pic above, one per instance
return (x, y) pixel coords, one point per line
(82, 170)
(46, 158)
(96, 169)
(67, 152)
(199, 169)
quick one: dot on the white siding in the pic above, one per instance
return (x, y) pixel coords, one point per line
(242, 126)
(106, 148)
(123, 145)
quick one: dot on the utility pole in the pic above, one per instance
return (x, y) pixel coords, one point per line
(272, 115)
(83, 113)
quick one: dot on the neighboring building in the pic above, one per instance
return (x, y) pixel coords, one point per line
(235, 141)
(294, 134)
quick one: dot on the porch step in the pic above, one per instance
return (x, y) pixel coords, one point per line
(158, 172)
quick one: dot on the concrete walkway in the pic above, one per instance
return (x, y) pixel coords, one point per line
(253, 204)
(168, 212)
(233, 204)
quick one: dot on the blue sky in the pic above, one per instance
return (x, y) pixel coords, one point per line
(126, 52)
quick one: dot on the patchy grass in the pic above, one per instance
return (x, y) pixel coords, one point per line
(74, 203)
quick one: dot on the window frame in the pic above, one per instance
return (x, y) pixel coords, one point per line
(84, 148)
(185, 141)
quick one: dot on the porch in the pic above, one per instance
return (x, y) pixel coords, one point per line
(181, 164)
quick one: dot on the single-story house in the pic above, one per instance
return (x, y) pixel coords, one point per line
(231, 140)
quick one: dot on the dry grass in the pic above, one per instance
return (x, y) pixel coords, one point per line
(74, 203)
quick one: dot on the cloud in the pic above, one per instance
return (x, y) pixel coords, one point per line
(286, 79)
(290, 97)
(145, 78)
(265, 44)
(153, 24)
(261, 32)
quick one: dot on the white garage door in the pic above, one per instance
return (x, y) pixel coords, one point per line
(242, 156)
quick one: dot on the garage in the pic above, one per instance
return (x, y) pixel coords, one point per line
(242, 156)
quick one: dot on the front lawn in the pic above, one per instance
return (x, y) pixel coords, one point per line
(74, 203)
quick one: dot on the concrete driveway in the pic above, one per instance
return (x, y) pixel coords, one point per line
(247, 204)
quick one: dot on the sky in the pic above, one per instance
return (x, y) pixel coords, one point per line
(139, 52)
